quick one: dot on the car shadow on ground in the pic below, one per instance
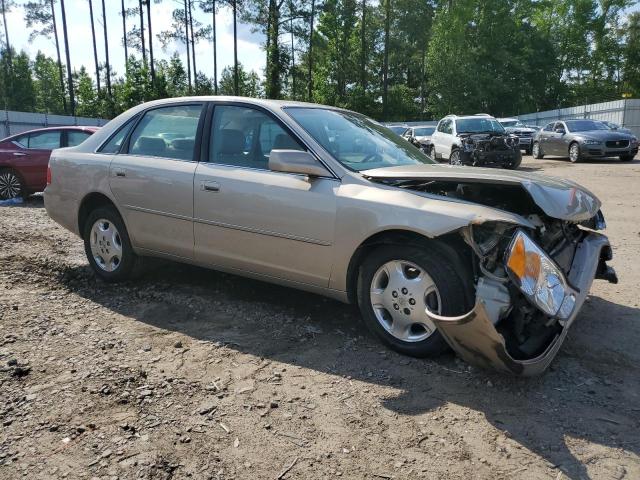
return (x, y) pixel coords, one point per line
(602, 161)
(570, 401)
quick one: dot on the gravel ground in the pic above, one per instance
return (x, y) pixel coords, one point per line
(192, 373)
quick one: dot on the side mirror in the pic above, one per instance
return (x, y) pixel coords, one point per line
(296, 161)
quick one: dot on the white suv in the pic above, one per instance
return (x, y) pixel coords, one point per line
(477, 140)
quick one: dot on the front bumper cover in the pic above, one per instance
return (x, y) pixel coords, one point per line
(474, 337)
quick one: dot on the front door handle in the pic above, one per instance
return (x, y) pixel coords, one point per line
(120, 173)
(210, 186)
(19, 154)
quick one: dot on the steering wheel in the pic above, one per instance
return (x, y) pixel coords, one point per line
(372, 157)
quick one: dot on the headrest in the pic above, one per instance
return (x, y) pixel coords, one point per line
(183, 144)
(285, 142)
(231, 141)
(149, 146)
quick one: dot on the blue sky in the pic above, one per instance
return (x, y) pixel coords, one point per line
(250, 52)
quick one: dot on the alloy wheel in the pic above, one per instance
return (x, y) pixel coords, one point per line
(400, 293)
(10, 185)
(455, 158)
(106, 245)
(574, 152)
(536, 150)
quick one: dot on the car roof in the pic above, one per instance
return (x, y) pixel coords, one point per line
(464, 117)
(84, 128)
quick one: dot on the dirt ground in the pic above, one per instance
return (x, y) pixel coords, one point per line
(192, 373)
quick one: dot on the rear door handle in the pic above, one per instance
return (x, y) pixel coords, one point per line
(210, 186)
(19, 154)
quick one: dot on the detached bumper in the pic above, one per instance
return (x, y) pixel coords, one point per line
(475, 339)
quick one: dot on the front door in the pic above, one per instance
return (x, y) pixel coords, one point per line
(249, 218)
(152, 179)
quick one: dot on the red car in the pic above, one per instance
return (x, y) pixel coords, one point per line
(24, 157)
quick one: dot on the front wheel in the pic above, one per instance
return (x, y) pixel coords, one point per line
(107, 246)
(537, 151)
(574, 153)
(455, 158)
(626, 158)
(397, 284)
(528, 151)
(516, 161)
(10, 185)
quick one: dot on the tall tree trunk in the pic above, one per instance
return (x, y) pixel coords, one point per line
(106, 49)
(124, 35)
(95, 48)
(236, 82)
(9, 64)
(385, 68)
(363, 47)
(72, 101)
(273, 52)
(293, 55)
(215, 47)
(151, 64)
(313, 14)
(55, 34)
(186, 41)
(193, 45)
(144, 50)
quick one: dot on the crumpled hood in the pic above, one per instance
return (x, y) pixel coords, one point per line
(556, 197)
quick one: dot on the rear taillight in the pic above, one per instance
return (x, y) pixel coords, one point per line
(48, 175)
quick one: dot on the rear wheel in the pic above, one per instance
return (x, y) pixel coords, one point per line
(107, 246)
(397, 284)
(574, 153)
(11, 185)
(626, 158)
(537, 151)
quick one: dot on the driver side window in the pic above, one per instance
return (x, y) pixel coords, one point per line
(245, 136)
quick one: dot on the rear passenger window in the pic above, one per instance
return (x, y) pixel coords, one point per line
(45, 140)
(549, 127)
(76, 138)
(245, 137)
(115, 142)
(168, 132)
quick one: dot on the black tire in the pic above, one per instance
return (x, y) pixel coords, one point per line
(11, 185)
(453, 291)
(516, 162)
(528, 151)
(538, 154)
(129, 265)
(454, 158)
(574, 158)
(626, 158)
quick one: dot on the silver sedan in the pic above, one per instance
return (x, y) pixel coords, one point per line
(495, 264)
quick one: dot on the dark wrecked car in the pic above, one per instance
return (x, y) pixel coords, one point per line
(475, 140)
(494, 263)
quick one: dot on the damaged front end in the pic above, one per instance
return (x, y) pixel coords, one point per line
(531, 278)
(490, 150)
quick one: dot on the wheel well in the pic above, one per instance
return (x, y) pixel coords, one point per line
(574, 142)
(89, 204)
(450, 245)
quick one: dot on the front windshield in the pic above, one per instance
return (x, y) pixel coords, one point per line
(356, 141)
(511, 123)
(478, 125)
(424, 131)
(585, 125)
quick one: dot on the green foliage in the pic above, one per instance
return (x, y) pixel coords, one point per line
(248, 82)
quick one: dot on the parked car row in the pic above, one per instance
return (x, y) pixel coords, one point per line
(481, 140)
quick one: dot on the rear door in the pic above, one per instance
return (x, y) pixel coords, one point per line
(35, 159)
(250, 218)
(152, 178)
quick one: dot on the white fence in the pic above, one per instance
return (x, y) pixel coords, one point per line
(623, 112)
(16, 122)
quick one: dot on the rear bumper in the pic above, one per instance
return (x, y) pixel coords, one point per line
(474, 337)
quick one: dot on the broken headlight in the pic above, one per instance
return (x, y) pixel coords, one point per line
(538, 277)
